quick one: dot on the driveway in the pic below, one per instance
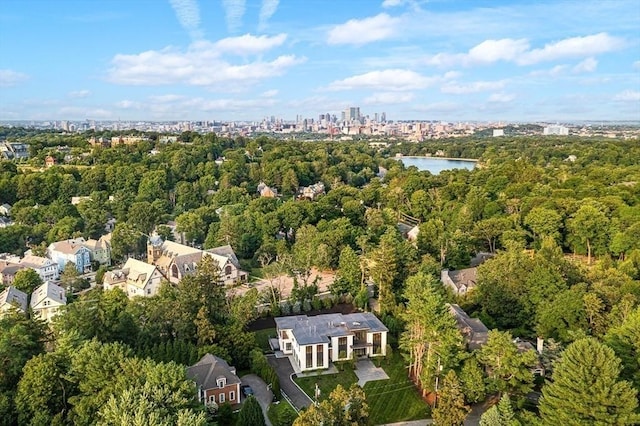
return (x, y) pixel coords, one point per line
(260, 391)
(284, 370)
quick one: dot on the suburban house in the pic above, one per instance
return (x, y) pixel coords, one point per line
(12, 298)
(49, 161)
(5, 222)
(72, 251)
(14, 150)
(266, 191)
(46, 268)
(47, 299)
(5, 209)
(474, 332)
(314, 342)
(215, 380)
(100, 249)
(8, 272)
(176, 261)
(460, 281)
(136, 278)
(311, 192)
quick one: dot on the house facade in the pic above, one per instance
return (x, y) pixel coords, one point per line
(47, 299)
(176, 261)
(314, 342)
(8, 272)
(136, 278)
(46, 268)
(215, 380)
(100, 250)
(12, 299)
(73, 251)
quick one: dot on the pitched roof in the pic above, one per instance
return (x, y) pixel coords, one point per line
(207, 371)
(138, 273)
(13, 296)
(320, 328)
(69, 246)
(35, 262)
(225, 251)
(466, 277)
(48, 290)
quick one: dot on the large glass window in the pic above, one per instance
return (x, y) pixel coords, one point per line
(342, 347)
(309, 356)
(377, 343)
(320, 356)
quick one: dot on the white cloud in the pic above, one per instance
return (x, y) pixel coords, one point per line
(636, 65)
(501, 97)
(79, 93)
(588, 65)
(628, 96)
(363, 31)
(473, 87)
(234, 11)
(571, 48)
(519, 51)
(10, 78)
(267, 10)
(249, 44)
(389, 98)
(553, 72)
(188, 14)
(388, 80)
(269, 93)
(199, 65)
(392, 3)
(172, 106)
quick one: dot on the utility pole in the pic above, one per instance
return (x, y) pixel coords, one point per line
(438, 370)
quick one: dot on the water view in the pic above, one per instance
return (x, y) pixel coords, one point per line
(436, 165)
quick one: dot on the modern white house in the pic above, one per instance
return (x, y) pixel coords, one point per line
(47, 299)
(314, 342)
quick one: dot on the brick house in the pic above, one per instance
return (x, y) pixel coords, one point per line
(215, 380)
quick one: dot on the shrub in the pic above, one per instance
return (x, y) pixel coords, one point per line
(306, 305)
(316, 303)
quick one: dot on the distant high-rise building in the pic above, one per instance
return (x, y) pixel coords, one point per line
(383, 117)
(375, 117)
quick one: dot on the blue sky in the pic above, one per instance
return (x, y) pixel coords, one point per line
(247, 59)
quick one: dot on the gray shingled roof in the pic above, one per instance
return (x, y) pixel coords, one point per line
(207, 371)
(320, 328)
(13, 296)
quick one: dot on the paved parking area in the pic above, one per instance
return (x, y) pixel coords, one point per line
(260, 391)
(285, 370)
(367, 372)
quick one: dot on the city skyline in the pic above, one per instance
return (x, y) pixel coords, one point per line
(244, 60)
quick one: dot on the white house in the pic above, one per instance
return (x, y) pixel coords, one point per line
(5, 209)
(314, 342)
(46, 268)
(47, 299)
(12, 298)
(136, 278)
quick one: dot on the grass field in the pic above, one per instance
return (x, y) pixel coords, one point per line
(262, 338)
(282, 413)
(392, 400)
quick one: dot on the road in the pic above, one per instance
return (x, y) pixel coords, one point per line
(260, 391)
(285, 370)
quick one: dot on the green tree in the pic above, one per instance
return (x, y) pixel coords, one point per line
(586, 389)
(251, 413)
(509, 370)
(342, 408)
(588, 227)
(450, 408)
(472, 380)
(543, 222)
(625, 341)
(349, 276)
(431, 338)
(500, 414)
(27, 280)
(21, 338)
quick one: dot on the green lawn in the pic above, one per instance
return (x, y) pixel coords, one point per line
(282, 414)
(262, 338)
(392, 400)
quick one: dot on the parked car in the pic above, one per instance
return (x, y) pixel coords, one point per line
(246, 391)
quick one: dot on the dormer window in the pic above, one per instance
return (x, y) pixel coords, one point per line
(222, 382)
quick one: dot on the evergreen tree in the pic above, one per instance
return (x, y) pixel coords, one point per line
(500, 414)
(450, 409)
(472, 380)
(585, 388)
(625, 341)
(251, 413)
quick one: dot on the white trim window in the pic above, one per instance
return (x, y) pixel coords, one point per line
(221, 398)
(212, 398)
(232, 396)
